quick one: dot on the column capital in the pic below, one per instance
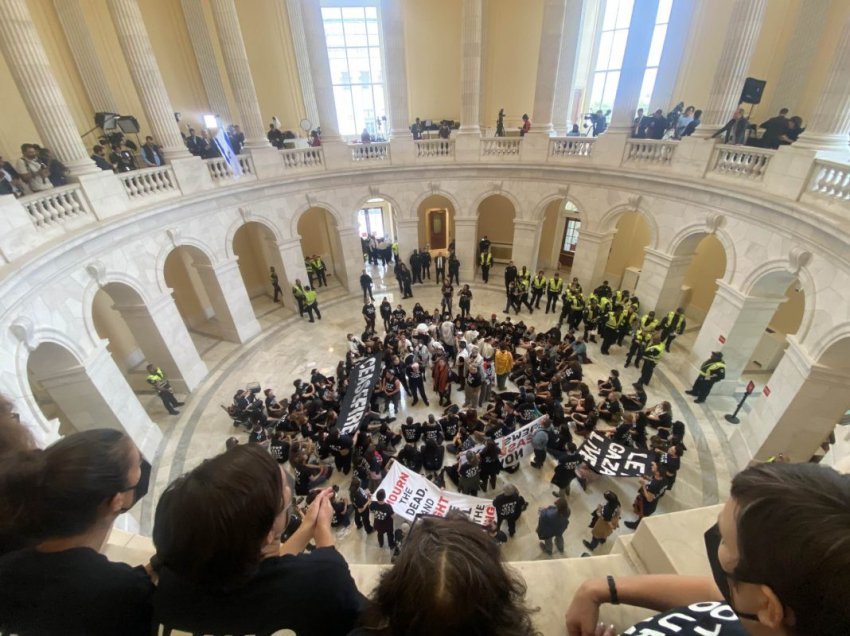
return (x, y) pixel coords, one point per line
(738, 299)
(596, 237)
(663, 258)
(408, 223)
(466, 220)
(525, 224)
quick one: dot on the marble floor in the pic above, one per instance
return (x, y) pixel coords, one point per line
(289, 347)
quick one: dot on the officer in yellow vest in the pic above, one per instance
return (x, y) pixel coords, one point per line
(611, 328)
(525, 276)
(275, 284)
(576, 309)
(556, 284)
(591, 318)
(640, 340)
(156, 378)
(710, 373)
(298, 294)
(538, 286)
(486, 262)
(672, 325)
(319, 269)
(651, 356)
(630, 320)
(311, 303)
(523, 284)
(649, 322)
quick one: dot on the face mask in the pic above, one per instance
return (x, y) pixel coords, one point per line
(141, 487)
(721, 577)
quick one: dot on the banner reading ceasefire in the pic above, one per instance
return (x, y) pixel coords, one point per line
(410, 494)
(361, 382)
(609, 458)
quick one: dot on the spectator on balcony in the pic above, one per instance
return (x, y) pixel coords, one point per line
(735, 130)
(636, 123)
(122, 158)
(10, 180)
(684, 120)
(657, 125)
(600, 122)
(57, 172)
(795, 128)
(365, 137)
(99, 157)
(526, 125)
(774, 129)
(196, 145)
(575, 132)
(33, 172)
(61, 502)
(445, 132)
(315, 139)
(211, 150)
(151, 154)
(236, 138)
(693, 125)
(416, 130)
(275, 137)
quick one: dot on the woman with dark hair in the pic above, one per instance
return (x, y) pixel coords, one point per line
(217, 534)
(604, 520)
(57, 507)
(449, 579)
(491, 464)
(552, 523)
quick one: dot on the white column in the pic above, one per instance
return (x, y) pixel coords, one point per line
(570, 39)
(465, 246)
(806, 402)
(829, 126)
(627, 97)
(548, 57)
(408, 236)
(202, 45)
(239, 72)
(292, 258)
(737, 52)
(392, 29)
(349, 241)
(678, 31)
(33, 75)
(661, 278)
(144, 71)
(302, 58)
(311, 12)
(470, 70)
(80, 42)
(738, 320)
(591, 257)
(233, 311)
(524, 250)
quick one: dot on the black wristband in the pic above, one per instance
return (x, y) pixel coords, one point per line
(612, 591)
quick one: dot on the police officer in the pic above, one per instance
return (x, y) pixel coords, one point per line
(298, 294)
(275, 284)
(538, 286)
(319, 269)
(710, 373)
(610, 329)
(640, 341)
(523, 285)
(366, 285)
(311, 303)
(556, 284)
(386, 310)
(576, 310)
(651, 356)
(416, 266)
(672, 325)
(486, 262)
(156, 378)
(525, 276)
(510, 275)
(425, 262)
(454, 269)
(440, 267)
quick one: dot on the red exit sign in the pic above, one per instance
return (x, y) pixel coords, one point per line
(721, 339)
(750, 387)
(766, 390)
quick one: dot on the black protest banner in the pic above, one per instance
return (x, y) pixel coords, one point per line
(361, 382)
(606, 457)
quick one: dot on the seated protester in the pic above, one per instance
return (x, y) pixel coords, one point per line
(450, 423)
(584, 423)
(387, 436)
(308, 476)
(273, 407)
(780, 565)
(341, 510)
(659, 416)
(509, 507)
(411, 431)
(431, 430)
(258, 435)
(462, 588)
(623, 433)
(217, 535)
(432, 457)
(279, 447)
(610, 406)
(410, 457)
(611, 384)
(634, 401)
(584, 402)
(667, 436)
(58, 504)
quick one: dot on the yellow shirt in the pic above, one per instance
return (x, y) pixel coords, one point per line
(504, 362)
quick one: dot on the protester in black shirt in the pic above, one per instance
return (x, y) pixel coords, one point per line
(604, 520)
(650, 492)
(411, 457)
(565, 470)
(60, 503)
(279, 447)
(509, 507)
(217, 535)
(411, 431)
(360, 499)
(383, 515)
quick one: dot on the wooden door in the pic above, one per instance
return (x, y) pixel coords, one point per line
(437, 231)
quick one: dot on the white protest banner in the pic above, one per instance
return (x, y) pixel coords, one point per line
(410, 494)
(606, 457)
(512, 446)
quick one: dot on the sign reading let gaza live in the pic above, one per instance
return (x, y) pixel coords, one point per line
(361, 382)
(609, 458)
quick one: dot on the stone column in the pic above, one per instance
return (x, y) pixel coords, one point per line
(465, 246)
(80, 42)
(470, 71)
(591, 257)
(239, 72)
(232, 307)
(408, 236)
(525, 244)
(349, 242)
(162, 335)
(202, 45)
(570, 40)
(392, 29)
(678, 31)
(627, 97)
(30, 68)
(548, 57)
(738, 319)
(660, 283)
(829, 126)
(144, 70)
(806, 402)
(292, 258)
(737, 52)
(302, 58)
(320, 70)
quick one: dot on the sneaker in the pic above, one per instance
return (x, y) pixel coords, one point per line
(632, 525)
(174, 412)
(545, 549)
(179, 404)
(689, 392)
(587, 545)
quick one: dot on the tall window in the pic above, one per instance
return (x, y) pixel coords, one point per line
(571, 231)
(357, 71)
(371, 221)
(609, 58)
(654, 59)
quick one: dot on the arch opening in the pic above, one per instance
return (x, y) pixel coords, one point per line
(319, 234)
(496, 216)
(256, 250)
(558, 237)
(625, 258)
(699, 281)
(436, 227)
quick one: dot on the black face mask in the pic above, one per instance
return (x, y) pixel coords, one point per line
(141, 487)
(721, 577)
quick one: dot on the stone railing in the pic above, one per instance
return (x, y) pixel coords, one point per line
(246, 162)
(649, 151)
(742, 162)
(56, 206)
(829, 180)
(149, 183)
(377, 151)
(560, 147)
(220, 171)
(435, 148)
(294, 158)
(498, 147)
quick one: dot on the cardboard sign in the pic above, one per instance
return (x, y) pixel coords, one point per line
(361, 383)
(410, 494)
(606, 457)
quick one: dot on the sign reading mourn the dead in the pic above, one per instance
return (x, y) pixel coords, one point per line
(609, 458)
(361, 382)
(410, 494)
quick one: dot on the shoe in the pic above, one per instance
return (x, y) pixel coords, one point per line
(632, 525)
(699, 401)
(427, 403)
(415, 402)
(174, 412)
(179, 404)
(545, 549)
(311, 320)
(587, 545)
(689, 392)
(556, 494)
(627, 365)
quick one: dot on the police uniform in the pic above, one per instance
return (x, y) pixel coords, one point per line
(673, 325)
(538, 286)
(486, 261)
(710, 372)
(651, 355)
(556, 284)
(611, 328)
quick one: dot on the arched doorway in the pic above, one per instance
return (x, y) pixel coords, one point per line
(559, 236)
(625, 258)
(699, 283)
(320, 237)
(256, 250)
(786, 321)
(496, 215)
(436, 227)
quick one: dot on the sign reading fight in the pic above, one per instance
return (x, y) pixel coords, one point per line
(609, 458)
(410, 494)
(361, 382)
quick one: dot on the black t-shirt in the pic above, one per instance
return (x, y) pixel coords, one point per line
(508, 506)
(279, 449)
(369, 311)
(311, 593)
(411, 432)
(72, 592)
(383, 516)
(698, 619)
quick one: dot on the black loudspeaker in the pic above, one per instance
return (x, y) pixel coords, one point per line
(753, 90)
(127, 124)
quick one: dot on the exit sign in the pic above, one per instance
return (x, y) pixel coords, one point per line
(722, 339)
(750, 387)
(766, 390)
